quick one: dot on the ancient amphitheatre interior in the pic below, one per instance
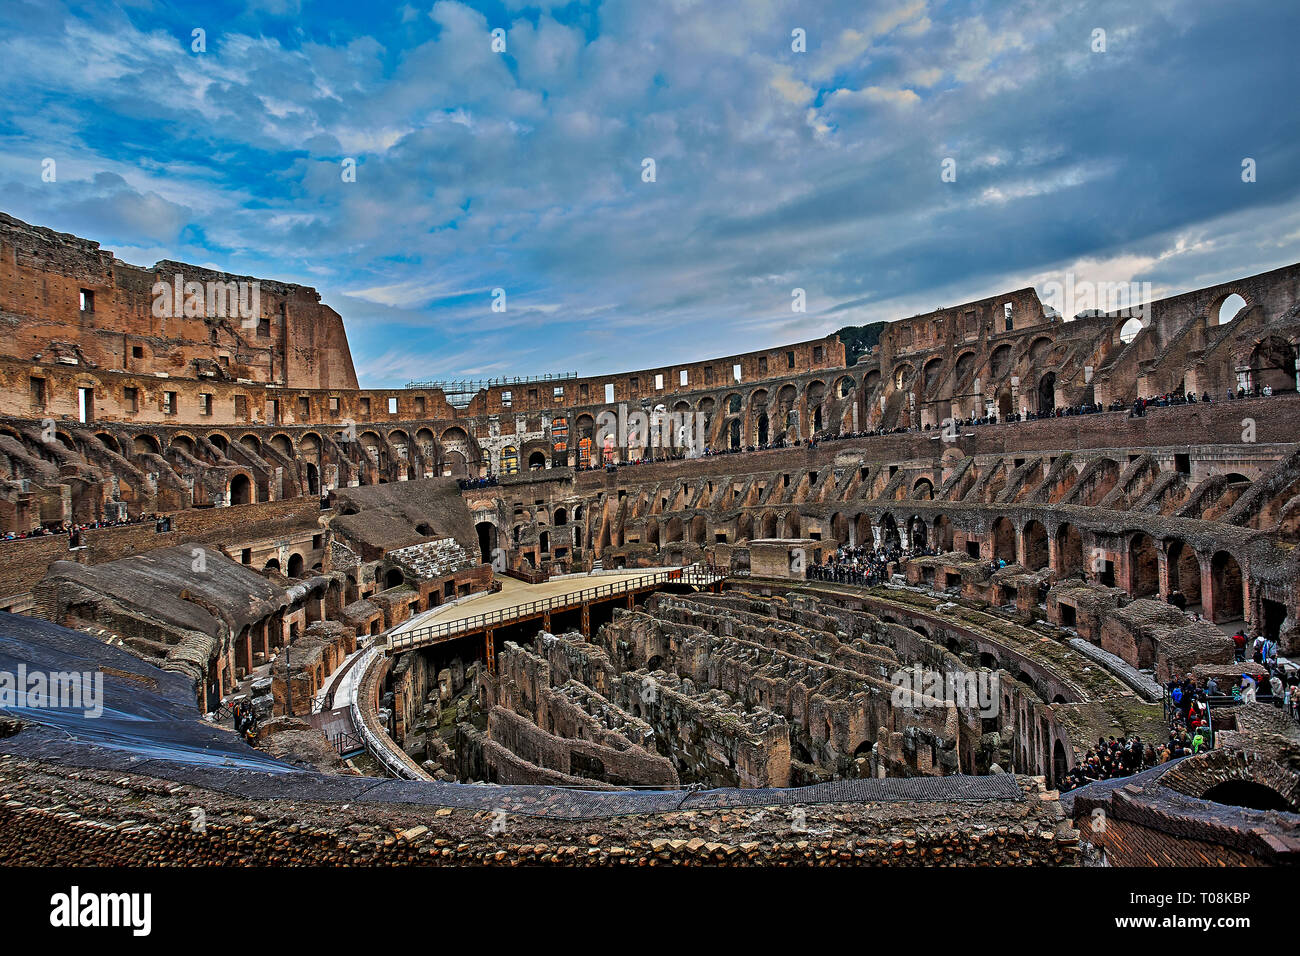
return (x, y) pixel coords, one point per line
(460, 582)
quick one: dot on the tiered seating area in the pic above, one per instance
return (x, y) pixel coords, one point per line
(432, 559)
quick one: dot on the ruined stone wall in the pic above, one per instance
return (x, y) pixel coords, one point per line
(64, 300)
(109, 819)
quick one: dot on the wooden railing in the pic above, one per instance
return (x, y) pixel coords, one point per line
(695, 574)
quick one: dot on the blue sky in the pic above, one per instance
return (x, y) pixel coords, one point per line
(775, 169)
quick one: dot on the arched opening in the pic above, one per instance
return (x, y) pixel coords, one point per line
(1036, 551)
(699, 530)
(923, 490)
(561, 516)
(536, 461)
(917, 533)
(454, 465)
(1060, 766)
(942, 533)
(1226, 584)
(509, 460)
(769, 525)
(792, 524)
(272, 565)
(1000, 361)
(1047, 394)
(1184, 575)
(762, 428)
(241, 490)
(733, 438)
(313, 479)
(839, 529)
(1249, 794)
(487, 540)
(889, 537)
(394, 578)
(1129, 330)
(1144, 567)
(1004, 540)
(1229, 308)
(1272, 364)
(931, 374)
(1069, 551)
(146, 445)
(295, 565)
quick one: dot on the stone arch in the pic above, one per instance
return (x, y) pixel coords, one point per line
(699, 530)
(1129, 330)
(889, 536)
(240, 490)
(1069, 550)
(1047, 393)
(146, 444)
(1003, 539)
(942, 533)
(815, 396)
(109, 441)
(1184, 571)
(840, 528)
(487, 540)
(923, 489)
(1000, 361)
(1144, 567)
(932, 374)
(1227, 597)
(1226, 307)
(917, 533)
(509, 460)
(965, 364)
(792, 524)
(1036, 548)
(1272, 363)
(283, 444)
(295, 565)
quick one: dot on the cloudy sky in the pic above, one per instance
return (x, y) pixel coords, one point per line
(774, 168)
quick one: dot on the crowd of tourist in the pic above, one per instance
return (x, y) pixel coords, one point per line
(1279, 685)
(74, 529)
(863, 566)
(468, 484)
(1112, 758)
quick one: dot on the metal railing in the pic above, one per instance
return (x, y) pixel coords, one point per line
(346, 744)
(702, 575)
